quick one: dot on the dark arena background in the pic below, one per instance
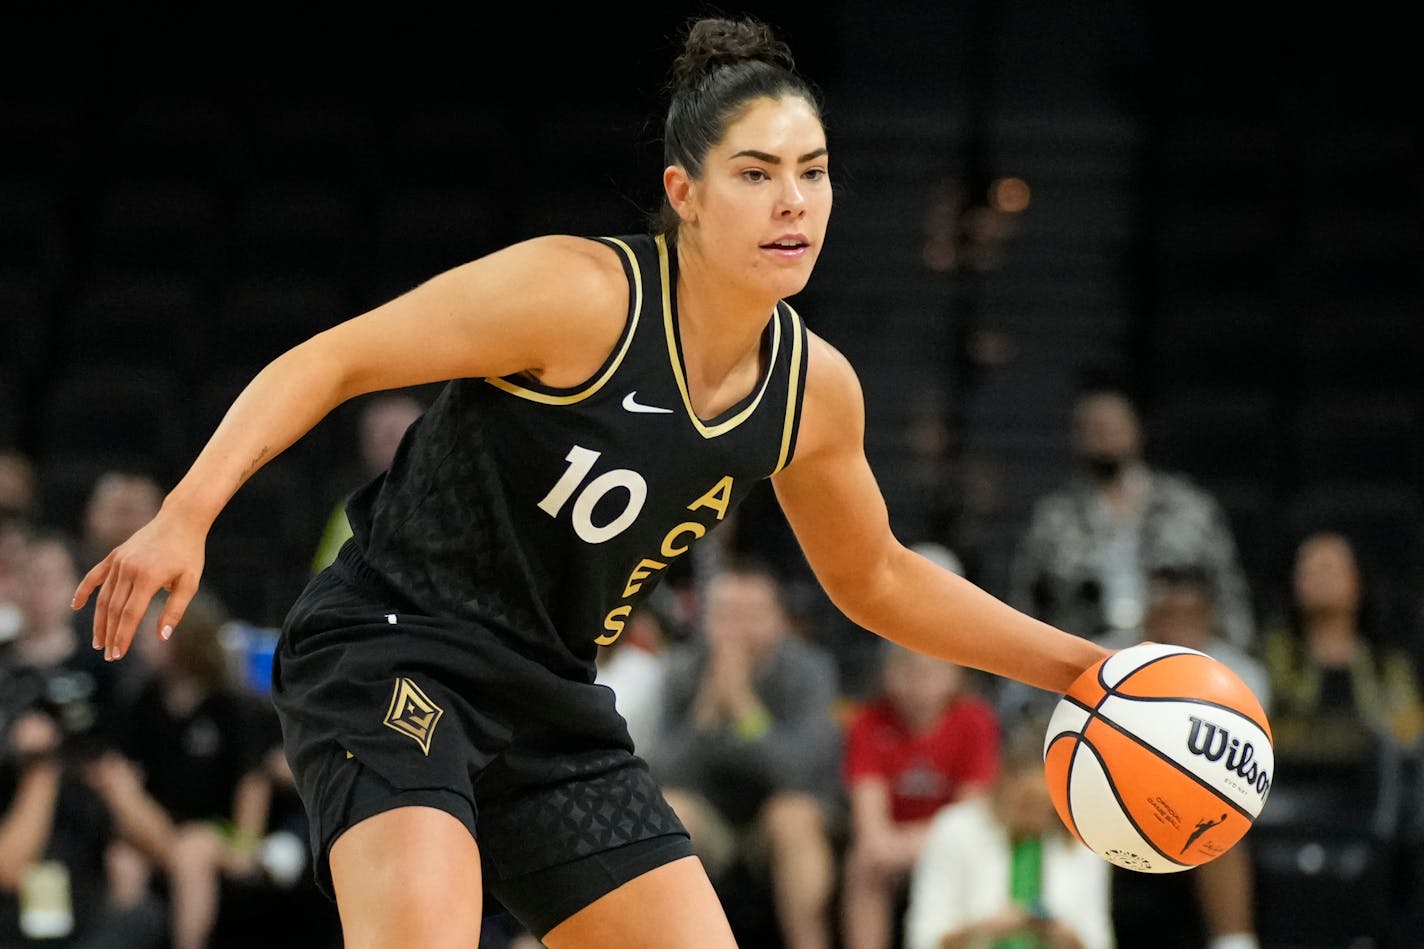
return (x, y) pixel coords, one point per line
(1220, 210)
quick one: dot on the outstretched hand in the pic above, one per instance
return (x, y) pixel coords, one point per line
(165, 554)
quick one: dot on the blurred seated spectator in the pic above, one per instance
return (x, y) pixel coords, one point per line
(48, 662)
(750, 749)
(1213, 906)
(381, 424)
(188, 784)
(62, 875)
(286, 888)
(1332, 671)
(19, 513)
(1083, 560)
(1001, 870)
(923, 741)
(14, 539)
(19, 486)
(56, 888)
(119, 503)
(1180, 613)
(1347, 723)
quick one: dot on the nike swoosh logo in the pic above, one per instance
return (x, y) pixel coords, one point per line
(631, 404)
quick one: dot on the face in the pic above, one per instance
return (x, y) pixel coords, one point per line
(1179, 614)
(48, 579)
(918, 685)
(17, 486)
(1024, 803)
(1326, 575)
(14, 539)
(744, 609)
(120, 505)
(759, 211)
(1105, 427)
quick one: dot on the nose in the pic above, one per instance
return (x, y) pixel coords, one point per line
(793, 201)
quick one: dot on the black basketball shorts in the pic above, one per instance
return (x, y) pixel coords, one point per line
(382, 707)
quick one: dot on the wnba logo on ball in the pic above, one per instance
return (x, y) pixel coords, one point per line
(1213, 742)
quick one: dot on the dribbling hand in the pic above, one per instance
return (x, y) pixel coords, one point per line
(164, 554)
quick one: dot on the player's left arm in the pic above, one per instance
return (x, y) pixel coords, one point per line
(834, 505)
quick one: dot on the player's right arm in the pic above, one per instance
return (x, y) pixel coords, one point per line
(551, 306)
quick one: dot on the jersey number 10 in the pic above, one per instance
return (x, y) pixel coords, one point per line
(581, 461)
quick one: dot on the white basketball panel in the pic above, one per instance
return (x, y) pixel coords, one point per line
(1067, 717)
(1125, 661)
(1226, 750)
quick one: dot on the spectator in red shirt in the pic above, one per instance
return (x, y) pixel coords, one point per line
(923, 740)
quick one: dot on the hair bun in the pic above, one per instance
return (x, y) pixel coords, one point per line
(714, 41)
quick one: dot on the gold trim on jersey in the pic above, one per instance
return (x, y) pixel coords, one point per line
(708, 431)
(549, 398)
(793, 384)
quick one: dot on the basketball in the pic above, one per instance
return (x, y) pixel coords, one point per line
(1159, 758)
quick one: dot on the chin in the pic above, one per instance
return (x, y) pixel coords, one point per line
(790, 283)
(790, 289)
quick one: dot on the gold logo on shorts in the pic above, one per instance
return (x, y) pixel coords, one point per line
(412, 713)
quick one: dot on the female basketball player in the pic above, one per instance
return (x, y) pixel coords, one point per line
(613, 399)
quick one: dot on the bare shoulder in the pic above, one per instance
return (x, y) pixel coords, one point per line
(597, 255)
(833, 415)
(567, 296)
(828, 370)
(582, 271)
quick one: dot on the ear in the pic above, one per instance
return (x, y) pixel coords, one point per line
(678, 186)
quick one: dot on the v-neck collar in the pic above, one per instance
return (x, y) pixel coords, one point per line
(729, 419)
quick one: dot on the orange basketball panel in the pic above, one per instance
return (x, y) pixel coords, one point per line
(1088, 688)
(1194, 677)
(1184, 818)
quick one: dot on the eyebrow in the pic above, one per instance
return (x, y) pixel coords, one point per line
(774, 160)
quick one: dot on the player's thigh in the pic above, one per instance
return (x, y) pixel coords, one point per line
(409, 876)
(672, 906)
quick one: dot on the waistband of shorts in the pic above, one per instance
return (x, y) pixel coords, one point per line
(352, 567)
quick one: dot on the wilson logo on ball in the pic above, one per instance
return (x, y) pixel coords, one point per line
(1213, 742)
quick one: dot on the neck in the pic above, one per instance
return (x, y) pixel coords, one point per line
(1333, 636)
(1122, 492)
(720, 324)
(705, 294)
(921, 720)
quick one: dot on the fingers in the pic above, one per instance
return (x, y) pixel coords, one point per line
(115, 586)
(178, 601)
(92, 579)
(121, 605)
(118, 607)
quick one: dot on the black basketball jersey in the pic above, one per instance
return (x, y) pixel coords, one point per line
(545, 514)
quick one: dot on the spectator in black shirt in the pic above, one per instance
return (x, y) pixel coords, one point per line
(189, 785)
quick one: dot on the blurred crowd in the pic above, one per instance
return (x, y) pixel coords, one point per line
(841, 792)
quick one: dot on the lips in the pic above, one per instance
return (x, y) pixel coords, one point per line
(787, 242)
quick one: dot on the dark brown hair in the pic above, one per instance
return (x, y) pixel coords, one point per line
(724, 65)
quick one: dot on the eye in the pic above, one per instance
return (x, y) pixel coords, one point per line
(754, 174)
(815, 174)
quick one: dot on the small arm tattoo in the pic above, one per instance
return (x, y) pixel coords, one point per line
(256, 463)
